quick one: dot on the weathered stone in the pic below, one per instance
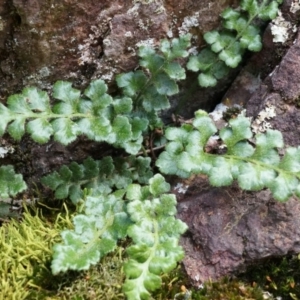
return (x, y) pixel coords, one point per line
(44, 41)
(260, 65)
(230, 229)
(282, 90)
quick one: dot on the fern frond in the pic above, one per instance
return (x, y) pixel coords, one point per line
(95, 114)
(227, 46)
(254, 167)
(95, 233)
(155, 234)
(99, 176)
(150, 90)
(10, 183)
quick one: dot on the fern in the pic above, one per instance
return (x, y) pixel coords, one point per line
(120, 121)
(155, 234)
(99, 176)
(95, 114)
(10, 183)
(95, 233)
(149, 221)
(254, 167)
(150, 90)
(227, 46)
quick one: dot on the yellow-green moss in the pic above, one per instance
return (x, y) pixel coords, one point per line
(25, 249)
(26, 253)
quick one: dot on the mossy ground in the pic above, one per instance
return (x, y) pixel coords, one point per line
(25, 270)
(278, 276)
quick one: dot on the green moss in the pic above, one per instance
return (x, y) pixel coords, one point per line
(227, 289)
(279, 276)
(25, 249)
(102, 281)
(231, 113)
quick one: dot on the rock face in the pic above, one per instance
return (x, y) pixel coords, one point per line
(229, 228)
(282, 90)
(43, 41)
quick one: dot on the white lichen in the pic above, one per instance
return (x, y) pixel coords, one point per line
(193, 50)
(160, 8)
(106, 42)
(108, 76)
(6, 150)
(170, 34)
(86, 55)
(261, 124)
(188, 23)
(181, 188)
(144, 24)
(44, 72)
(1, 24)
(134, 10)
(281, 29)
(148, 42)
(217, 113)
(295, 6)
(144, 1)
(128, 34)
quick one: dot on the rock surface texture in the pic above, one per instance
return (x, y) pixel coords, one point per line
(230, 229)
(43, 41)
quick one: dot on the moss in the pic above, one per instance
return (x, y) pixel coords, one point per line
(26, 252)
(232, 113)
(103, 281)
(227, 289)
(297, 102)
(26, 249)
(279, 276)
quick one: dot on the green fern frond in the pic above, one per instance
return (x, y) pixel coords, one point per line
(255, 166)
(95, 233)
(99, 176)
(155, 234)
(148, 217)
(227, 46)
(95, 114)
(10, 183)
(149, 90)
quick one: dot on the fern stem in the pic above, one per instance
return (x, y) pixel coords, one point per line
(139, 97)
(50, 116)
(258, 163)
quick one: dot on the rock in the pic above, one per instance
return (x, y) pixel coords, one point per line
(44, 41)
(230, 229)
(282, 90)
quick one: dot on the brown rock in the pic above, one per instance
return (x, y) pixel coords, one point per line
(230, 229)
(44, 41)
(281, 89)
